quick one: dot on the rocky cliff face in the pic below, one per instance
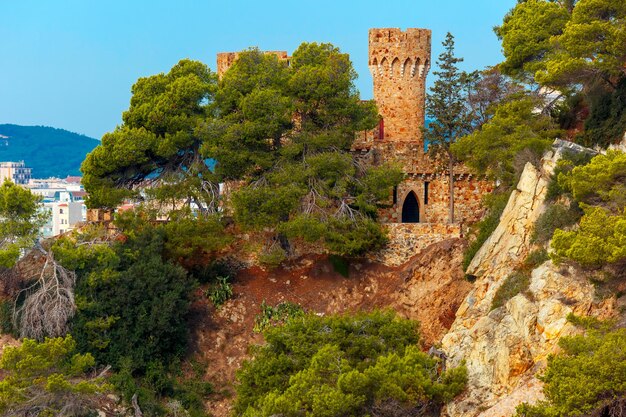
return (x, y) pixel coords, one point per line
(504, 348)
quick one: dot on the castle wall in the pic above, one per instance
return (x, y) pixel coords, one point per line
(468, 193)
(433, 204)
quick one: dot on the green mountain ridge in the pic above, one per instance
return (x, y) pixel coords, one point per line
(49, 151)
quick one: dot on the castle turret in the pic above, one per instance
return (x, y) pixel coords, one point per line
(399, 61)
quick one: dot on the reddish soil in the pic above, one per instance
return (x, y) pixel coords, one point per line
(428, 288)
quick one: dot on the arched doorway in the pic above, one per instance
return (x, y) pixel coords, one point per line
(410, 209)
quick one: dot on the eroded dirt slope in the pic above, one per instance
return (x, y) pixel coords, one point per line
(429, 288)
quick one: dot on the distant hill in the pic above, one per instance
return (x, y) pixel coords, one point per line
(48, 151)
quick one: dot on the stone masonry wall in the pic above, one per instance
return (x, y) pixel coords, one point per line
(468, 192)
(399, 61)
(408, 239)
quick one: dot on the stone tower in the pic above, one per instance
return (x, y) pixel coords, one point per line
(399, 61)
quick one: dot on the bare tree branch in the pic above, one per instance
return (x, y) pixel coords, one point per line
(49, 302)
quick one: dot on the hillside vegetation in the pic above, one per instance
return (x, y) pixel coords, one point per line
(119, 310)
(48, 151)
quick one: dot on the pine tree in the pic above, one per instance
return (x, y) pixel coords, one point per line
(451, 118)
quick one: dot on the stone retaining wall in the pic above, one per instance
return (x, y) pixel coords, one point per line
(408, 239)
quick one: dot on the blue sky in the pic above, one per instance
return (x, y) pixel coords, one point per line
(71, 63)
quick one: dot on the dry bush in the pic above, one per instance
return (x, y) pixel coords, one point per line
(48, 302)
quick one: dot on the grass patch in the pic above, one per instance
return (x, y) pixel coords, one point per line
(535, 258)
(557, 216)
(277, 315)
(495, 205)
(514, 284)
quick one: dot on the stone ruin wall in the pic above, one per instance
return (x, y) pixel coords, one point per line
(226, 59)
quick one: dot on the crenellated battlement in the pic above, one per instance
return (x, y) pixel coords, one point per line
(399, 68)
(395, 53)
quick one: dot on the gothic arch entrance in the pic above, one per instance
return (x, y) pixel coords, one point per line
(410, 209)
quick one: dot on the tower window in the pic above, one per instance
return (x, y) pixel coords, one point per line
(426, 192)
(381, 129)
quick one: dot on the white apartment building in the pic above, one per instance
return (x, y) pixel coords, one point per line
(64, 215)
(16, 172)
(64, 201)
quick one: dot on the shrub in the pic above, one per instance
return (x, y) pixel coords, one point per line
(273, 256)
(163, 387)
(589, 371)
(135, 307)
(513, 284)
(220, 292)
(495, 206)
(600, 182)
(6, 318)
(48, 378)
(191, 389)
(535, 258)
(556, 216)
(600, 239)
(563, 168)
(343, 365)
(210, 272)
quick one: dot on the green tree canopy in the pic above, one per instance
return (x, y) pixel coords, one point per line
(158, 143)
(281, 134)
(286, 132)
(48, 378)
(515, 127)
(343, 366)
(526, 32)
(564, 44)
(255, 114)
(591, 45)
(20, 220)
